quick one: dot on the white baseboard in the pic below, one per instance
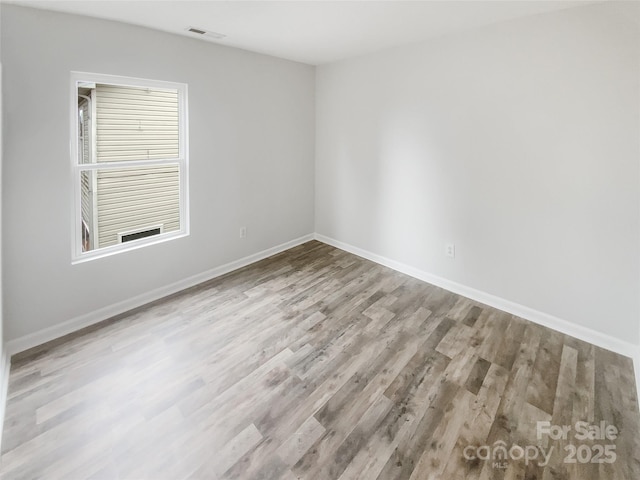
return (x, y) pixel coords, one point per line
(5, 365)
(569, 328)
(38, 338)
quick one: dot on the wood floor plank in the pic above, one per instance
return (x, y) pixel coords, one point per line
(295, 447)
(544, 379)
(477, 425)
(312, 364)
(477, 375)
(434, 459)
(403, 461)
(221, 461)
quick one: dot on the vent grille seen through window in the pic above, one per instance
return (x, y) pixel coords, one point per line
(127, 237)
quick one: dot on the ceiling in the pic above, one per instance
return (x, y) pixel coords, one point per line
(313, 32)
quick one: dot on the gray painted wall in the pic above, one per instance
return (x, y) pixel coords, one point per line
(4, 382)
(251, 155)
(517, 142)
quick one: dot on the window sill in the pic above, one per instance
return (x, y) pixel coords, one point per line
(125, 247)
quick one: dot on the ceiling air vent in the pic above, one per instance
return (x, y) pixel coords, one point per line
(200, 31)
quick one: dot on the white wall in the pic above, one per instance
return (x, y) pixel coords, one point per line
(251, 154)
(4, 361)
(517, 142)
(2, 352)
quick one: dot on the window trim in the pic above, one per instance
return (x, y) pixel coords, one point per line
(77, 255)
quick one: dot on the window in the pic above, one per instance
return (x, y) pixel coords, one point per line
(130, 163)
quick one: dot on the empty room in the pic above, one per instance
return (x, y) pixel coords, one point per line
(320, 240)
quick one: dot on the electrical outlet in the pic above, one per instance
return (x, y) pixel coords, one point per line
(243, 232)
(450, 250)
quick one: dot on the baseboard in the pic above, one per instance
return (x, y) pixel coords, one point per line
(569, 328)
(46, 335)
(588, 335)
(5, 365)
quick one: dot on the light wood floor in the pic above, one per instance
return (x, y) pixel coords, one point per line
(313, 364)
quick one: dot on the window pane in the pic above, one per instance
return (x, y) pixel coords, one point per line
(84, 126)
(135, 123)
(86, 187)
(126, 204)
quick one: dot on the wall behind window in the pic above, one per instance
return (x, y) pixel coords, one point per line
(518, 142)
(4, 381)
(251, 154)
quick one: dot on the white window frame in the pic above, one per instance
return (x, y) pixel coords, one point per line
(77, 255)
